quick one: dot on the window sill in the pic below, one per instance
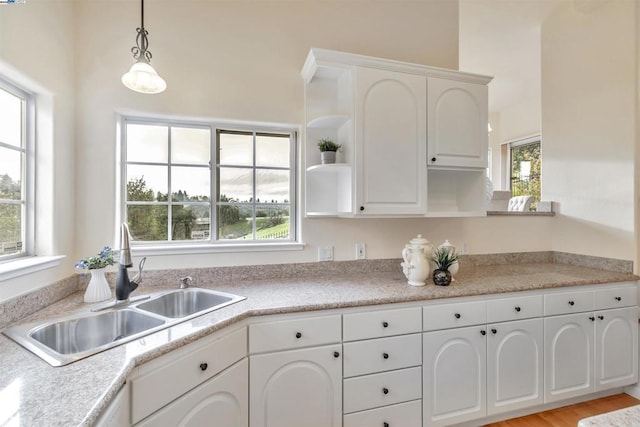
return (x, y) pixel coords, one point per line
(149, 250)
(24, 266)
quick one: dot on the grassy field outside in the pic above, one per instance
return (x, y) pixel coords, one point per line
(243, 229)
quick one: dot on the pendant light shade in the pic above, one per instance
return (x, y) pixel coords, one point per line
(142, 77)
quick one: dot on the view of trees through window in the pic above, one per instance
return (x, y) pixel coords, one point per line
(251, 180)
(525, 170)
(12, 158)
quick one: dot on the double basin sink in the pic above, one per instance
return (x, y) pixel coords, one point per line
(64, 340)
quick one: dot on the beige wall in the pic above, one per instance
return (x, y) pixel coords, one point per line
(230, 60)
(37, 52)
(588, 125)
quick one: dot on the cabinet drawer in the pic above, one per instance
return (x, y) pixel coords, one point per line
(407, 414)
(446, 316)
(160, 386)
(568, 302)
(505, 309)
(295, 333)
(382, 323)
(383, 354)
(372, 391)
(616, 297)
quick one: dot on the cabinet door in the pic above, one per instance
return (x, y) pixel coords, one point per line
(616, 348)
(458, 120)
(390, 142)
(454, 375)
(514, 365)
(223, 398)
(569, 353)
(297, 388)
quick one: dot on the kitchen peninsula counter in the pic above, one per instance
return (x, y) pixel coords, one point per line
(35, 394)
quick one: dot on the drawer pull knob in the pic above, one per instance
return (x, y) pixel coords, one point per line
(571, 302)
(385, 355)
(457, 315)
(336, 354)
(494, 331)
(385, 424)
(361, 208)
(433, 159)
(518, 308)
(385, 324)
(385, 390)
(298, 335)
(203, 366)
(601, 317)
(483, 332)
(618, 298)
(592, 318)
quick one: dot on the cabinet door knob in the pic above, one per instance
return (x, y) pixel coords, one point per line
(518, 308)
(483, 332)
(571, 302)
(361, 208)
(385, 355)
(457, 315)
(385, 390)
(601, 317)
(618, 298)
(433, 159)
(494, 331)
(298, 334)
(592, 318)
(336, 354)
(203, 366)
(385, 424)
(385, 324)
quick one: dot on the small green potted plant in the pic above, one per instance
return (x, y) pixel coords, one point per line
(328, 150)
(443, 259)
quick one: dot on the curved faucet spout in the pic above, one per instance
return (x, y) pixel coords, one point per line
(124, 286)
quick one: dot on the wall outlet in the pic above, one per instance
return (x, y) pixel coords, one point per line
(465, 249)
(361, 251)
(325, 253)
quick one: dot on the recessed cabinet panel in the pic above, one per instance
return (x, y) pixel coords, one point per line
(390, 142)
(454, 370)
(514, 365)
(616, 339)
(458, 124)
(568, 342)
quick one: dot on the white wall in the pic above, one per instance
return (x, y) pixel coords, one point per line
(588, 126)
(37, 52)
(237, 60)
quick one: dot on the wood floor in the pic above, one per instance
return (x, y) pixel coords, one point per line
(570, 415)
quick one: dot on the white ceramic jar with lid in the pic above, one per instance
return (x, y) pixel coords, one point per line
(417, 260)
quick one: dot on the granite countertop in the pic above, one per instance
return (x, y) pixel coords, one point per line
(621, 418)
(35, 394)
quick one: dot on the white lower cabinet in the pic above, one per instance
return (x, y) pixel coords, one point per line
(514, 365)
(297, 388)
(223, 398)
(589, 352)
(454, 375)
(117, 412)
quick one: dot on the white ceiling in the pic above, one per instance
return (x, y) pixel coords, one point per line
(501, 38)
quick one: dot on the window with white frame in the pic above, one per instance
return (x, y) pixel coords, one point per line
(525, 166)
(16, 172)
(206, 183)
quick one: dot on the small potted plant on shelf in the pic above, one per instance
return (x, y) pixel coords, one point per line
(328, 150)
(443, 258)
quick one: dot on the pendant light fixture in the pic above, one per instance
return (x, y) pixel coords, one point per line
(141, 76)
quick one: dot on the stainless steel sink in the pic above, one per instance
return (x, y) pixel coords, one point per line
(64, 340)
(86, 333)
(186, 302)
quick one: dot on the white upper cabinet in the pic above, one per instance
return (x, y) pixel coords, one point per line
(391, 119)
(458, 124)
(391, 132)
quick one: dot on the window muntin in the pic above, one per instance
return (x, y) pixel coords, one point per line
(226, 186)
(15, 196)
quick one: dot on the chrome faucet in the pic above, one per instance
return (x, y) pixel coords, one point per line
(124, 286)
